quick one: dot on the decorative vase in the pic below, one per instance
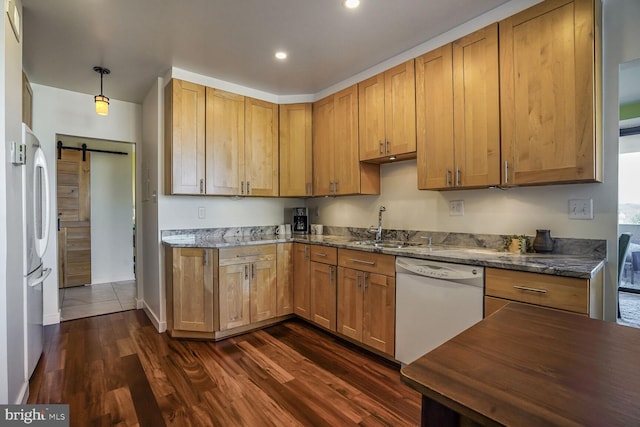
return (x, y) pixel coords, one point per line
(543, 242)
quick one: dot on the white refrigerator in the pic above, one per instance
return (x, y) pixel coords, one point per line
(36, 211)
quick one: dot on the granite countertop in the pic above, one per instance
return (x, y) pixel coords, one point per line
(580, 266)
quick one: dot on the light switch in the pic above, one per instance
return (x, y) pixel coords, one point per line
(456, 208)
(581, 209)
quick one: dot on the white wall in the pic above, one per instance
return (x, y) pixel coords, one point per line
(13, 385)
(57, 111)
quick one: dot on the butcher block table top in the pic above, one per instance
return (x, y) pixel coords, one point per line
(530, 366)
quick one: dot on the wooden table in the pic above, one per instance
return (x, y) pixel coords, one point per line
(530, 366)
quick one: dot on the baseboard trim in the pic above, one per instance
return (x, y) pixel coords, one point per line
(159, 325)
(51, 319)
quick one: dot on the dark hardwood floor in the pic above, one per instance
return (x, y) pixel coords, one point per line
(117, 369)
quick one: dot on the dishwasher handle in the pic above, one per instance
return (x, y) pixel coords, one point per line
(442, 271)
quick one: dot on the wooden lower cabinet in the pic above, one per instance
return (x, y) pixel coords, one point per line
(323, 295)
(247, 285)
(190, 294)
(366, 300)
(576, 295)
(284, 279)
(301, 278)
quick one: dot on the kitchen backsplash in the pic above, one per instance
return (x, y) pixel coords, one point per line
(565, 246)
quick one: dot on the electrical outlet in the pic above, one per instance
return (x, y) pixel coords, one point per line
(456, 208)
(581, 209)
(201, 213)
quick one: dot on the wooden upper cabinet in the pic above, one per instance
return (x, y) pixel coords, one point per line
(323, 141)
(476, 109)
(336, 166)
(387, 113)
(224, 142)
(458, 113)
(184, 138)
(549, 73)
(261, 148)
(434, 103)
(295, 150)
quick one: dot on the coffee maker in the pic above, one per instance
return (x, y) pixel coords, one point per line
(300, 221)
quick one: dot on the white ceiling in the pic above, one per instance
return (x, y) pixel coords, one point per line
(231, 40)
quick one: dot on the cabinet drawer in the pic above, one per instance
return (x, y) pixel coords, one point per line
(564, 293)
(324, 254)
(245, 254)
(367, 261)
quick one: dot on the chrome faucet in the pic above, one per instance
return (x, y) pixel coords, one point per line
(378, 231)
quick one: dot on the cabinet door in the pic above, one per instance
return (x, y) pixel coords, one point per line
(261, 148)
(295, 150)
(263, 299)
(301, 284)
(284, 277)
(224, 142)
(476, 109)
(548, 94)
(323, 295)
(371, 117)
(323, 140)
(350, 302)
(434, 103)
(400, 109)
(378, 327)
(346, 176)
(184, 138)
(234, 296)
(192, 293)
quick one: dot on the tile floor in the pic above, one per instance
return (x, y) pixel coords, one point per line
(94, 300)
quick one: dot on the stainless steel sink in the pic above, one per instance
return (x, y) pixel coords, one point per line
(392, 244)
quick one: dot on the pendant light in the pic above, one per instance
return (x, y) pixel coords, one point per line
(102, 102)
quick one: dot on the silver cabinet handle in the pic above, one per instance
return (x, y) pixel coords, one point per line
(201, 185)
(360, 261)
(335, 187)
(526, 288)
(448, 177)
(248, 187)
(253, 271)
(357, 280)
(306, 252)
(242, 187)
(321, 254)
(330, 274)
(379, 147)
(365, 276)
(308, 188)
(206, 257)
(246, 272)
(457, 176)
(386, 147)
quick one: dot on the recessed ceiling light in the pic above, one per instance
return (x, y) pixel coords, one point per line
(351, 4)
(281, 55)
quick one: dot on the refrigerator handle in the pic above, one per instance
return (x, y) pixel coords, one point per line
(45, 273)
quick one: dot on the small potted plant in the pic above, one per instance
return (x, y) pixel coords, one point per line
(517, 243)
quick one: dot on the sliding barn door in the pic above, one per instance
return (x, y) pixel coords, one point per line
(74, 218)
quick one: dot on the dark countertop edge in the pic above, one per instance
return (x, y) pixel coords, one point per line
(555, 265)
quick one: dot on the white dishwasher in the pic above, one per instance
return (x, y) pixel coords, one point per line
(435, 301)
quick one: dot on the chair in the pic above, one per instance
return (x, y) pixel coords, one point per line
(623, 246)
(635, 264)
